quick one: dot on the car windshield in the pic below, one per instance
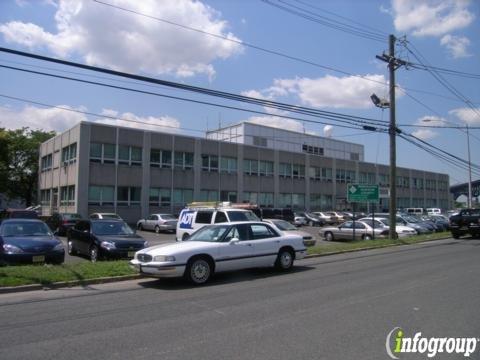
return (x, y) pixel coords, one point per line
(111, 228)
(242, 216)
(168, 217)
(24, 228)
(210, 233)
(111, 216)
(284, 225)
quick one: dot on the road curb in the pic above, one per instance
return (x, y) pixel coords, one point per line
(65, 284)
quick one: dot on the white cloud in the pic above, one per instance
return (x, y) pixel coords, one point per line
(104, 36)
(55, 119)
(329, 91)
(48, 119)
(278, 122)
(425, 134)
(456, 45)
(431, 17)
(467, 115)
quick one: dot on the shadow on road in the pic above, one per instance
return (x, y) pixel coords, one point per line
(222, 278)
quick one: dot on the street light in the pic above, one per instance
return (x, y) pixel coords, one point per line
(469, 200)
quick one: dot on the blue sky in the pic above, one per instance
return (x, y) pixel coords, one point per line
(444, 32)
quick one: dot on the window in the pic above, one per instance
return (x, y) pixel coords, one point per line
(298, 171)
(210, 162)
(208, 195)
(228, 196)
(204, 217)
(250, 167)
(384, 179)
(129, 155)
(228, 164)
(262, 232)
(102, 153)
(315, 150)
(327, 174)
(354, 156)
(67, 195)
(161, 158)
(315, 173)
(265, 168)
(181, 197)
(220, 217)
(160, 197)
(101, 195)
(285, 170)
(69, 154)
(183, 160)
(259, 141)
(366, 178)
(46, 162)
(45, 197)
(128, 195)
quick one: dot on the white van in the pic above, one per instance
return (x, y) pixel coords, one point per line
(196, 216)
(415, 211)
(434, 211)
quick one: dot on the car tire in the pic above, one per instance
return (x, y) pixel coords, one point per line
(140, 227)
(198, 271)
(455, 235)
(70, 249)
(285, 259)
(93, 253)
(329, 236)
(367, 237)
(157, 229)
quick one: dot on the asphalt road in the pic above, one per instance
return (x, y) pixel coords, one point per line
(333, 307)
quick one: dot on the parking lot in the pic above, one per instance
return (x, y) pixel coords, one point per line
(165, 238)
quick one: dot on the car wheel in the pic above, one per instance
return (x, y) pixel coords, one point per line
(310, 223)
(367, 237)
(157, 229)
(70, 249)
(285, 259)
(455, 235)
(329, 236)
(93, 253)
(140, 227)
(198, 271)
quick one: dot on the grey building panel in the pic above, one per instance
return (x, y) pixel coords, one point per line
(161, 141)
(183, 143)
(209, 147)
(183, 179)
(209, 181)
(161, 178)
(103, 134)
(102, 174)
(228, 182)
(129, 176)
(130, 137)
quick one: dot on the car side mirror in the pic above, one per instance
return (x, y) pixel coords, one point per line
(234, 240)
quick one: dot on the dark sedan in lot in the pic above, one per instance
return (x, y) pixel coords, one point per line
(24, 241)
(99, 239)
(61, 222)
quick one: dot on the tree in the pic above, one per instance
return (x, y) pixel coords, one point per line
(19, 152)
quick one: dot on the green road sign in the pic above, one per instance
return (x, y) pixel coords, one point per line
(362, 193)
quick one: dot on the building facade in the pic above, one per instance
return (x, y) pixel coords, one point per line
(103, 168)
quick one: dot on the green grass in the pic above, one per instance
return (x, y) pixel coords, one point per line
(49, 274)
(372, 244)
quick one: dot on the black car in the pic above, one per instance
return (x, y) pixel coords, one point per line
(24, 241)
(99, 239)
(61, 222)
(18, 214)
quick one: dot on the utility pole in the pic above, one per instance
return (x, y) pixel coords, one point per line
(469, 202)
(393, 144)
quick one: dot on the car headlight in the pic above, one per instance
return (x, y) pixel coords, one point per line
(12, 249)
(108, 245)
(58, 247)
(163, 258)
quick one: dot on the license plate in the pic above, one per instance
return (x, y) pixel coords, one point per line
(131, 254)
(39, 258)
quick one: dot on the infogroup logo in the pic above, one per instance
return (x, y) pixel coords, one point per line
(397, 343)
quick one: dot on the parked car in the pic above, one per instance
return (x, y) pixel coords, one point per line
(287, 228)
(313, 219)
(467, 221)
(100, 239)
(61, 222)
(363, 230)
(441, 220)
(18, 214)
(401, 230)
(286, 214)
(299, 220)
(336, 215)
(29, 241)
(407, 220)
(194, 218)
(105, 216)
(158, 222)
(221, 247)
(328, 219)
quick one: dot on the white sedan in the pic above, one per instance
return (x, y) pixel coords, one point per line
(222, 247)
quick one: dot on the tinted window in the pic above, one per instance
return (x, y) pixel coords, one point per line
(220, 217)
(23, 215)
(359, 226)
(347, 225)
(111, 228)
(82, 226)
(210, 233)
(204, 217)
(267, 213)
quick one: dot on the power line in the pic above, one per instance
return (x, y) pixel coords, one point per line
(444, 70)
(322, 20)
(352, 126)
(204, 91)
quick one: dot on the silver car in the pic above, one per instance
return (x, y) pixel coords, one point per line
(158, 223)
(287, 228)
(363, 231)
